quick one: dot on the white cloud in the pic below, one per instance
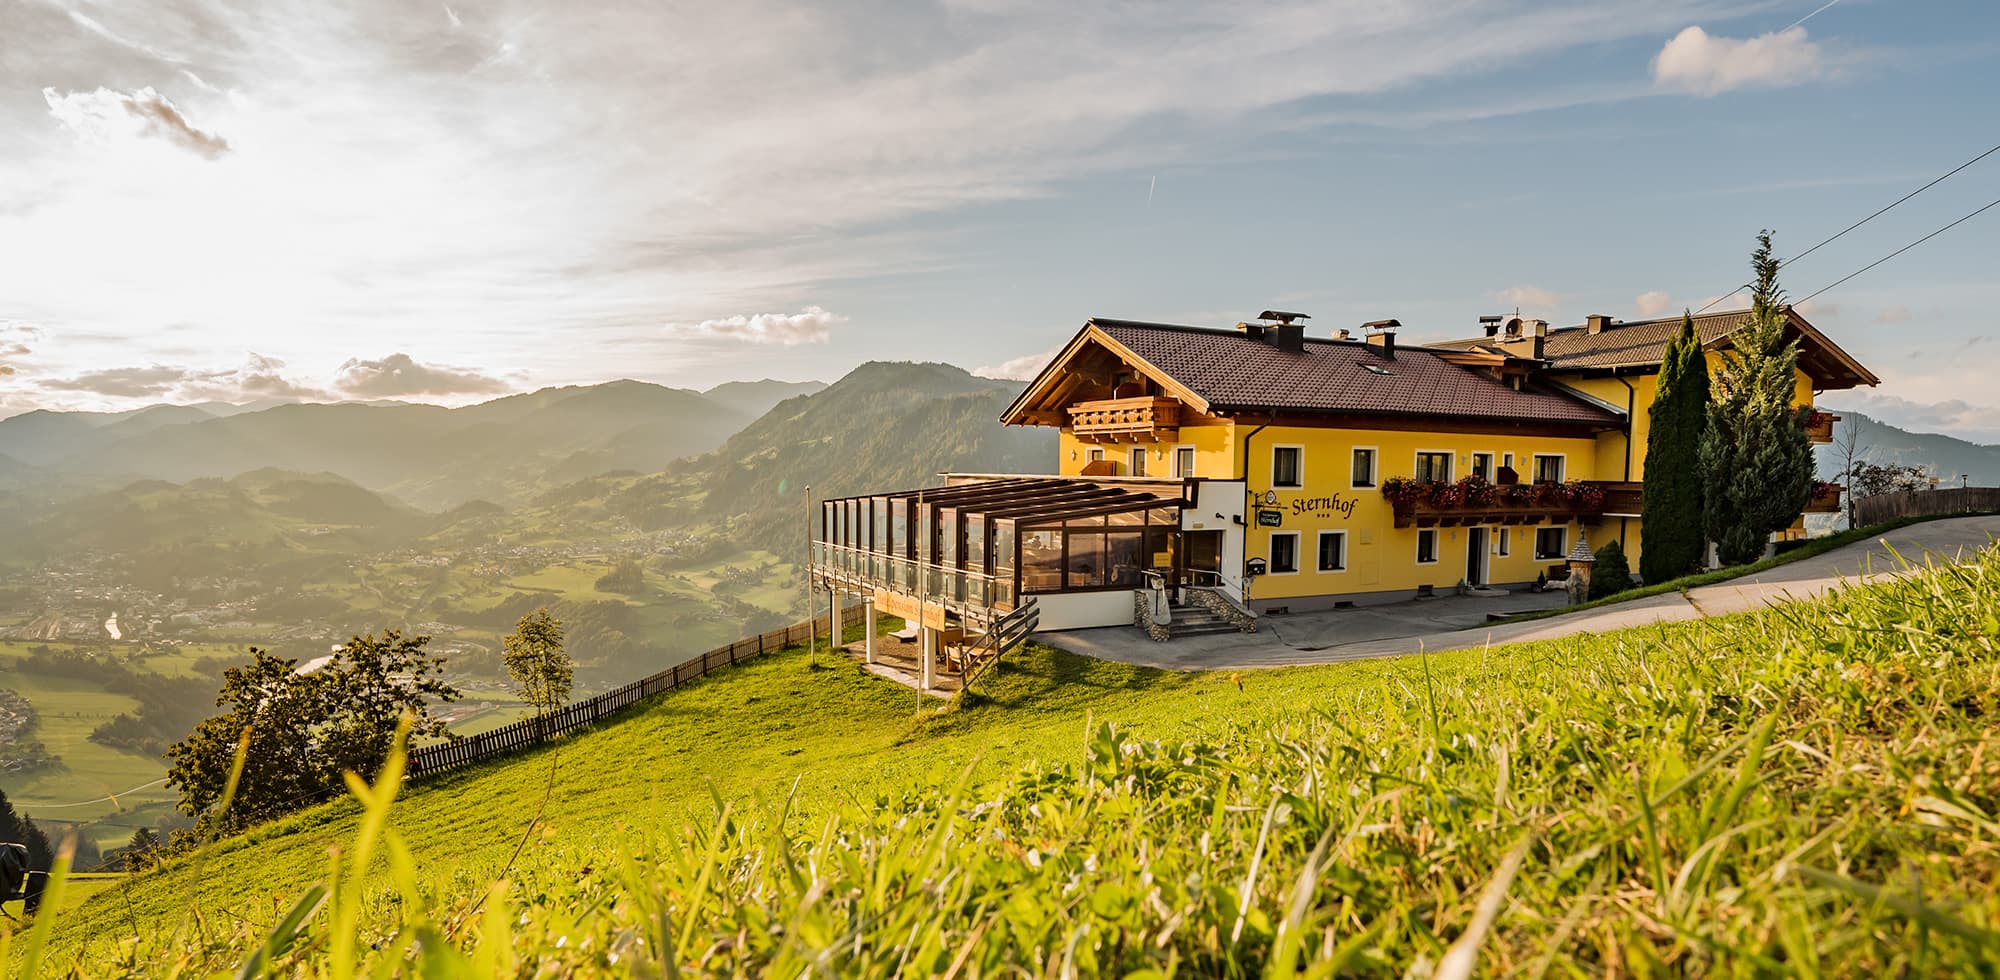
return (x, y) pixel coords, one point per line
(811, 325)
(108, 116)
(1695, 61)
(1653, 302)
(1531, 299)
(1023, 368)
(399, 375)
(1893, 313)
(258, 377)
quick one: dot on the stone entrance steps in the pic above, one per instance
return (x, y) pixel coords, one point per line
(1197, 621)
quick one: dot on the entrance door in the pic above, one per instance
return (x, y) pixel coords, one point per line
(1202, 552)
(1475, 556)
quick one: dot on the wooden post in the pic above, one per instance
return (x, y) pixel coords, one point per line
(929, 647)
(868, 628)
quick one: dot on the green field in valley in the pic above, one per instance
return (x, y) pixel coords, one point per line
(1810, 789)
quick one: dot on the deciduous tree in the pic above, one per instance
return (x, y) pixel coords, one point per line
(1756, 460)
(1673, 537)
(304, 729)
(542, 672)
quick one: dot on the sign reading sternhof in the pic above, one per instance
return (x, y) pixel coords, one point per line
(1325, 506)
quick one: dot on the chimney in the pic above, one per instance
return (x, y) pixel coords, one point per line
(1490, 324)
(1288, 334)
(1596, 323)
(1524, 339)
(1342, 334)
(1254, 331)
(1381, 335)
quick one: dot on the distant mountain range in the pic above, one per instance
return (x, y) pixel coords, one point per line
(429, 456)
(883, 426)
(1947, 458)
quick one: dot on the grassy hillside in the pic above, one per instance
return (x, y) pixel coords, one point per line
(1811, 789)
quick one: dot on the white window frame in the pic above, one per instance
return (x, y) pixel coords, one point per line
(1185, 472)
(1502, 536)
(1492, 465)
(1093, 454)
(1561, 552)
(1374, 468)
(1319, 543)
(1135, 460)
(1507, 462)
(1562, 466)
(1450, 463)
(1301, 450)
(1271, 548)
(1434, 545)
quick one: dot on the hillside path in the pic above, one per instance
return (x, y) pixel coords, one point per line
(1317, 638)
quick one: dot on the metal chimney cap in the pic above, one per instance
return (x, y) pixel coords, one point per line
(1283, 317)
(1389, 324)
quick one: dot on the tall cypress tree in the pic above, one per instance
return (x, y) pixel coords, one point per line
(1756, 460)
(1671, 539)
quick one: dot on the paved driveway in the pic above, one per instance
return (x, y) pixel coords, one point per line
(1454, 622)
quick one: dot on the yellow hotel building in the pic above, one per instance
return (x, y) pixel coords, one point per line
(1257, 468)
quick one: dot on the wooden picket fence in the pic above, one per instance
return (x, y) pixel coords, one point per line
(431, 760)
(1886, 507)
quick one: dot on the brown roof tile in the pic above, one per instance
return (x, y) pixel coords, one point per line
(1234, 372)
(1643, 343)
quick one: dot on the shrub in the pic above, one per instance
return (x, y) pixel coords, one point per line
(1611, 574)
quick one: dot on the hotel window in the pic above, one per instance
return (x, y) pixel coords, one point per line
(1503, 538)
(1482, 466)
(1434, 467)
(1286, 469)
(1284, 552)
(1427, 546)
(1551, 542)
(1507, 472)
(1333, 551)
(1138, 461)
(1548, 468)
(1364, 468)
(1184, 462)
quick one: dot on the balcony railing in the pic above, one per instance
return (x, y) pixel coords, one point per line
(1150, 416)
(1473, 502)
(969, 593)
(1819, 426)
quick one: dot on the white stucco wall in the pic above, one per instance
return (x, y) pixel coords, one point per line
(1082, 610)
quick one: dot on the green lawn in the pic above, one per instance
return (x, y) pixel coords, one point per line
(69, 710)
(1810, 789)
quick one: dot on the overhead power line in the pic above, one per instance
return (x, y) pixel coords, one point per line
(1963, 219)
(1872, 217)
(1884, 210)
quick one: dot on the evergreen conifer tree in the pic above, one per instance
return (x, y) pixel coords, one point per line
(1756, 461)
(1672, 538)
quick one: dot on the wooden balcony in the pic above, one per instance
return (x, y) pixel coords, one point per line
(1149, 417)
(1825, 500)
(1819, 426)
(1614, 498)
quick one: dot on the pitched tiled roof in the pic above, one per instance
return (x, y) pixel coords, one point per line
(1643, 343)
(1234, 372)
(1635, 344)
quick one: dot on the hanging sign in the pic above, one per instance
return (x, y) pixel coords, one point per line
(1270, 518)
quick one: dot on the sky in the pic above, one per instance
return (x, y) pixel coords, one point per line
(449, 201)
